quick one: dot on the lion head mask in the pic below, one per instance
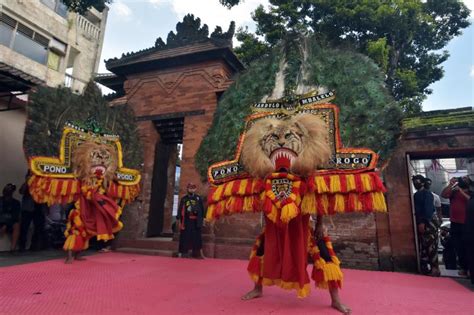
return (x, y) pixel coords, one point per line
(92, 161)
(297, 145)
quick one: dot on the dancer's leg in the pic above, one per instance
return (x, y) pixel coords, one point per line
(336, 301)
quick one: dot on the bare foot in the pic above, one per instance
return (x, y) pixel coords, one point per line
(255, 293)
(336, 301)
(341, 307)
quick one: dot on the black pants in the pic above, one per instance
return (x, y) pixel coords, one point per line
(37, 240)
(470, 259)
(457, 233)
(190, 238)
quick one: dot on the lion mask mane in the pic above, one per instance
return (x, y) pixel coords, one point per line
(297, 145)
(92, 161)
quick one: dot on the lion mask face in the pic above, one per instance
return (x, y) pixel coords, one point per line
(297, 145)
(92, 161)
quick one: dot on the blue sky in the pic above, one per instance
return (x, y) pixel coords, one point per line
(135, 24)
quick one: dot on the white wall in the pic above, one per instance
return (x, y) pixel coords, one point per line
(13, 163)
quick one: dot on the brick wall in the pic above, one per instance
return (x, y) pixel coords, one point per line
(355, 240)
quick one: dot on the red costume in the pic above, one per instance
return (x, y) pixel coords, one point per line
(280, 254)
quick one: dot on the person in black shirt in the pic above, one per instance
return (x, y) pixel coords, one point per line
(10, 215)
(189, 222)
(31, 212)
(427, 227)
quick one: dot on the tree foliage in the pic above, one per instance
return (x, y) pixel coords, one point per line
(229, 3)
(403, 37)
(81, 6)
(251, 48)
(50, 108)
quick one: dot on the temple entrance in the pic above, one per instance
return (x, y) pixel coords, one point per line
(440, 168)
(164, 182)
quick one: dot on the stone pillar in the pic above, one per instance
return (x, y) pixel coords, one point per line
(384, 241)
(400, 216)
(149, 137)
(168, 208)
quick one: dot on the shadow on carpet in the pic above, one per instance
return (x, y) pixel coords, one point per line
(19, 258)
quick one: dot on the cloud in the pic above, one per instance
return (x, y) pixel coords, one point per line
(472, 71)
(121, 9)
(212, 13)
(156, 3)
(469, 4)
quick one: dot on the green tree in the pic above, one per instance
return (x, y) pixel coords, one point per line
(81, 6)
(403, 36)
(250, 48)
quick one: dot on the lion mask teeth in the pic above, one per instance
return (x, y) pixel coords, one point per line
(98, 170)
(282, 159)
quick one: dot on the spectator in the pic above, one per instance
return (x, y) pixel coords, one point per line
(189, 222)
(436, 202)
(427, 227)
(10, 215)
(457, 192)
(31, 212)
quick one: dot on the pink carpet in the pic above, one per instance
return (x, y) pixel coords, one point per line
(117, 283)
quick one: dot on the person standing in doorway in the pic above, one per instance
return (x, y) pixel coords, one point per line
(436, 201)
(457, 192)
(427, 227)
(189, 222)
